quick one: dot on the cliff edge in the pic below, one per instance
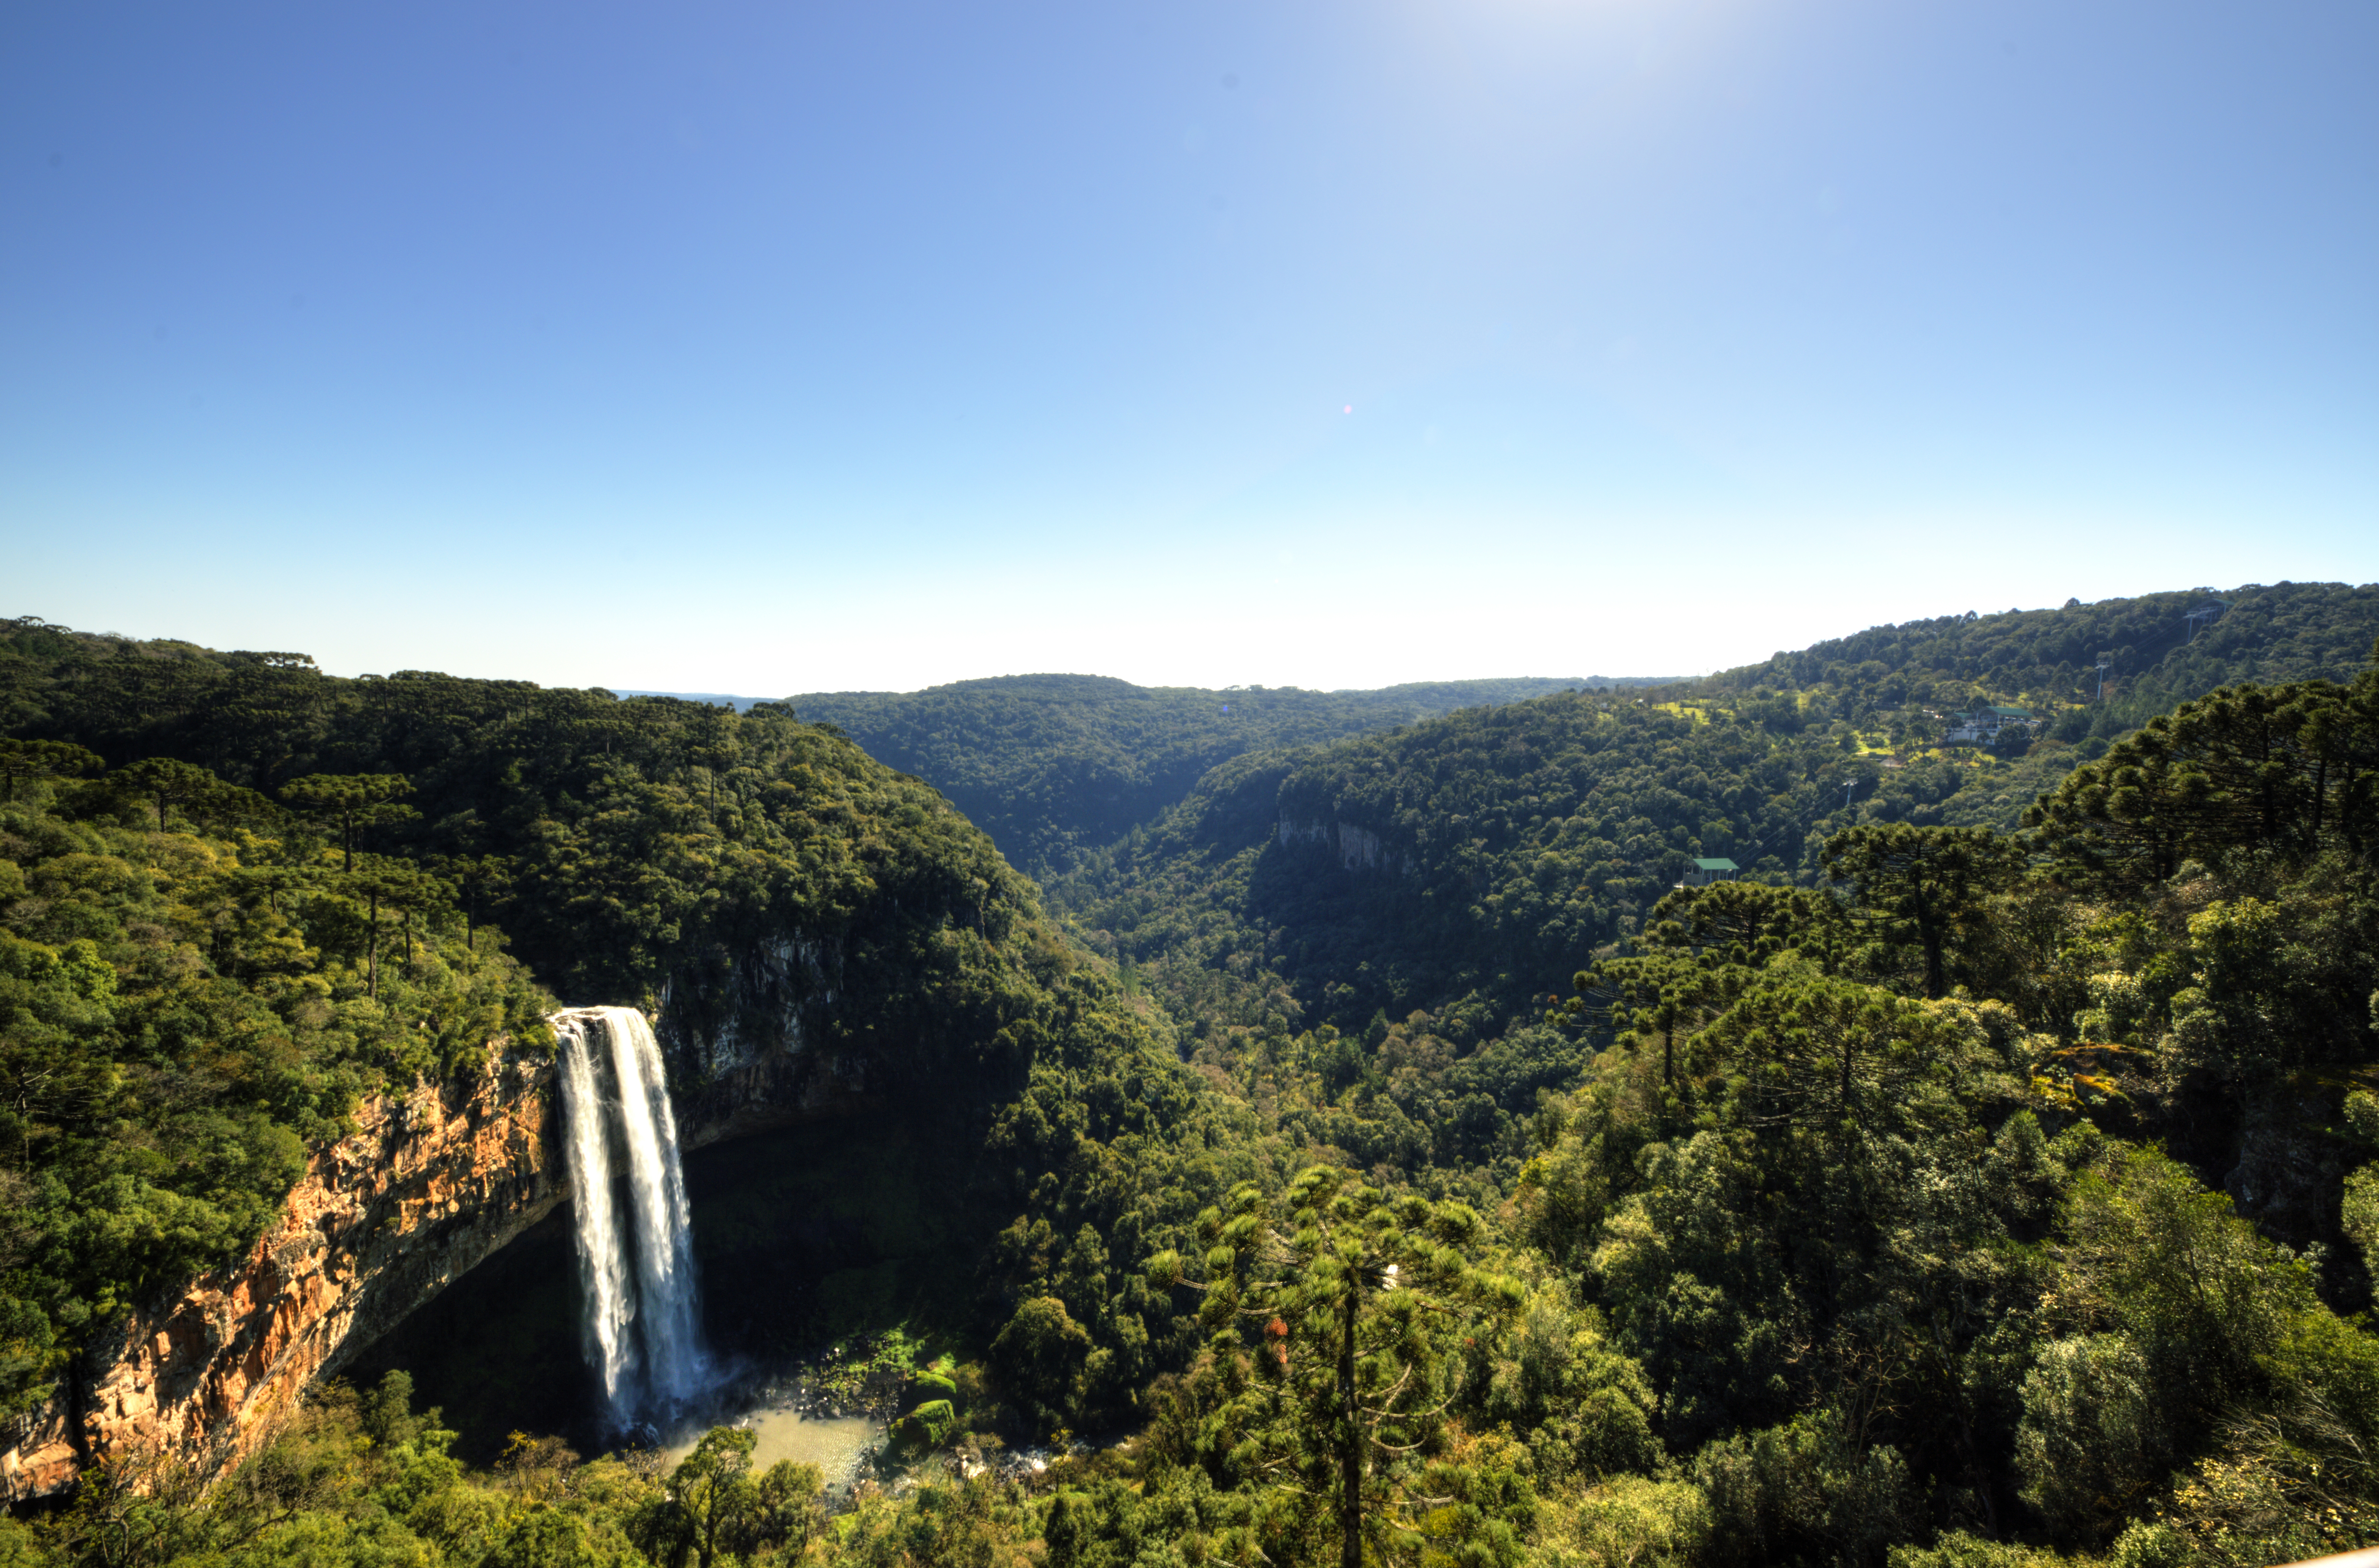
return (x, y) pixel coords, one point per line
(426, 1186)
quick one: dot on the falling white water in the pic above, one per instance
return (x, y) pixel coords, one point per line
(602, 1268)
(641, 1328)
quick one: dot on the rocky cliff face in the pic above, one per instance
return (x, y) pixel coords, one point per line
(426, 1186)
(740, 1027)
(725, 1010)
(1357, 848)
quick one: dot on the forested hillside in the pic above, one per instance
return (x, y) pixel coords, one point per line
(2159, 650)
(603, 836)
(1989, 1178)
(1490, 842)
(190, 992)
(1462, 861)
(1894, 1196)
(1051, 765)
(235, 893)
(1055, 765)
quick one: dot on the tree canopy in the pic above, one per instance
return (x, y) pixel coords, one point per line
(1051, 765)
(1390, 1154)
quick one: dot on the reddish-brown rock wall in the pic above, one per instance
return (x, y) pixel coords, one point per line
(426, 1186)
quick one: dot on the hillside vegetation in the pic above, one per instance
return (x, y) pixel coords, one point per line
(1988, 1178)
(2160, 650)
(1464, 860)
(1050, 765)
(186, 999)
(1055, 765)
(1488, 843)
(235, 892)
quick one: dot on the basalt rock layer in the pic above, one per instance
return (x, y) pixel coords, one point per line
(426, 1186)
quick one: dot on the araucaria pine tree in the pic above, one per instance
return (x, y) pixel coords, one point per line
(1345, 1298)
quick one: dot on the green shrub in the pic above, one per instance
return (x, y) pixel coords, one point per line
(1631, 1520)
(2091, 1445)
(930, 1424)
(2147, 1545)
(926, 1387)
(2357, 1212)
(1956, 1548)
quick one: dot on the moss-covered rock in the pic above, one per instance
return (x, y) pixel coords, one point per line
(929, 1425)
(928, 1387)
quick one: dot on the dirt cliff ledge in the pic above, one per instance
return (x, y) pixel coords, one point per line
(429, 1184)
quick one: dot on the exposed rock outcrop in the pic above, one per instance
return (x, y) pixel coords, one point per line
(2286, 1169)
(426, 1186)
(1357, 848)
(729, 1010)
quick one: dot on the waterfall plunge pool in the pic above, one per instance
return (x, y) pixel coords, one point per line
(806, 1237)
(837, 1445)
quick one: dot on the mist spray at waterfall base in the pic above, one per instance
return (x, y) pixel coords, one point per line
(641, 1326)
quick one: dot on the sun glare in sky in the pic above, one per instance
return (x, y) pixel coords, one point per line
(748, 347)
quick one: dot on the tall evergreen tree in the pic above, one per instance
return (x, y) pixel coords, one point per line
(350, 800)
(1352, 1294)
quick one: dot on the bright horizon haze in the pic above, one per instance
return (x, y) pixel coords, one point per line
(771, 349)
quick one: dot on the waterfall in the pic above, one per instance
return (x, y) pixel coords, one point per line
(602, 1272)
(642, 1327)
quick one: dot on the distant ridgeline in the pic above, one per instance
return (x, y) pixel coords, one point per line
(711, 699)
(1455, 861)
(1053, 764)
(1911, 1195)
(2159, 651)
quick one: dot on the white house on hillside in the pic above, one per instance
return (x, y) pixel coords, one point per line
(1982, 726)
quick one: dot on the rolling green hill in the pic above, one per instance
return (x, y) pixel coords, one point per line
(1425, 1164)
(1054, 767)
(1053, 764)
(2160, 649)
(200, 969)
(1467, 858)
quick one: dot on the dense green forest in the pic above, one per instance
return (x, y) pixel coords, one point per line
(1492, 844)
(1987, 1178)
(214, 941)
(188, 993)
(1462, 862)
(2159, 649)
(1053, 764)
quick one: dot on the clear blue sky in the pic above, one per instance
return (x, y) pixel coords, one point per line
(780, 346)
